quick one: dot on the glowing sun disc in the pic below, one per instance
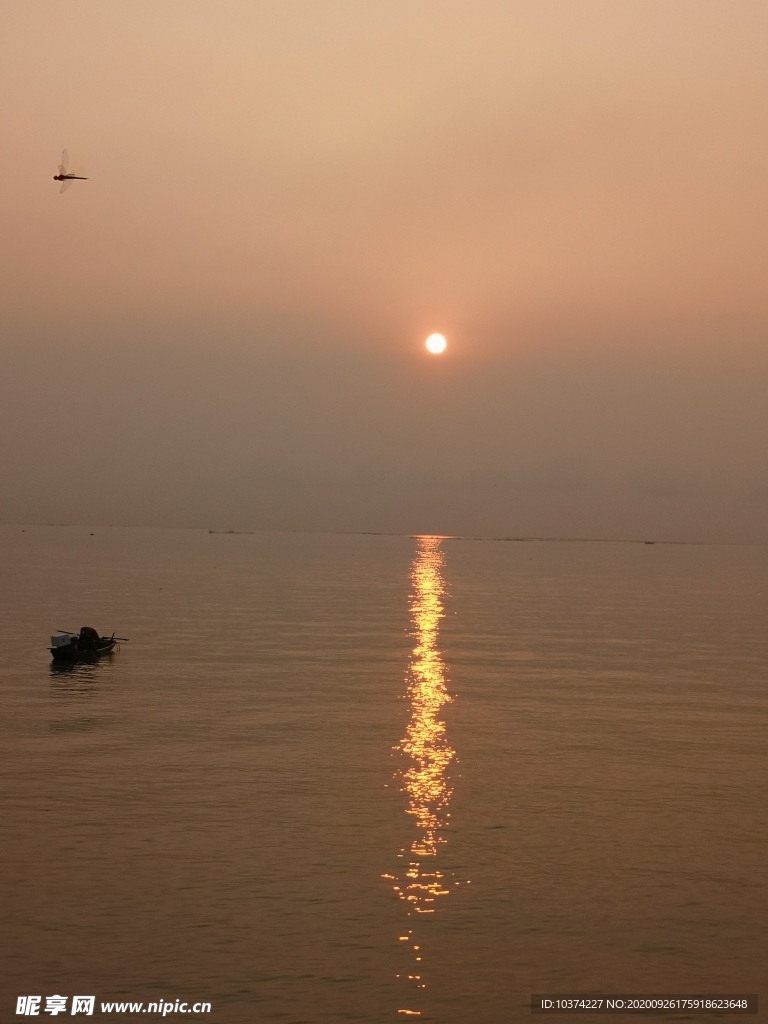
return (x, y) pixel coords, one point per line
(435, 344)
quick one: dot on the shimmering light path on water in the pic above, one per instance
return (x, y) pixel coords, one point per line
(426, 756)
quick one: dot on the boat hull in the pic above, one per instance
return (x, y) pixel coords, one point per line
(73, 652)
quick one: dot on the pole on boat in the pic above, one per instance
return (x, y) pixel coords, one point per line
(75, 632)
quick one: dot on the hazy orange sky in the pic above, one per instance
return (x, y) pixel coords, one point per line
(223, 327)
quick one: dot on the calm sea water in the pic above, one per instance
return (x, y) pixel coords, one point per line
(335, 778)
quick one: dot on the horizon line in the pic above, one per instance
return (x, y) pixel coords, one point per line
(511, 539)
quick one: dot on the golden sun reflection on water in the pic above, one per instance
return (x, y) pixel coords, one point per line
(425, 755)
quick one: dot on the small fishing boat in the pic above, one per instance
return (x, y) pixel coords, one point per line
(86, 645)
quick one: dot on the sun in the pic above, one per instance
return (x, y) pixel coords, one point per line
(435, 344)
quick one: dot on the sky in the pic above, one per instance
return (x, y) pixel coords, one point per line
(224, 326)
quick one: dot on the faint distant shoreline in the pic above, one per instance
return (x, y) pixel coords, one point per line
(511, 540)
(384, 533)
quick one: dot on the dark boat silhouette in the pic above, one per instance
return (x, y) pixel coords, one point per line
(86, 645)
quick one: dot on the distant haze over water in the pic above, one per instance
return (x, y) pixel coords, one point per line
(581, 443)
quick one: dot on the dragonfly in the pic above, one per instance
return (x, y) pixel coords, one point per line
(65, 176)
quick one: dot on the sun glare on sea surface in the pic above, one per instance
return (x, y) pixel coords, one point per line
(435, 344)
